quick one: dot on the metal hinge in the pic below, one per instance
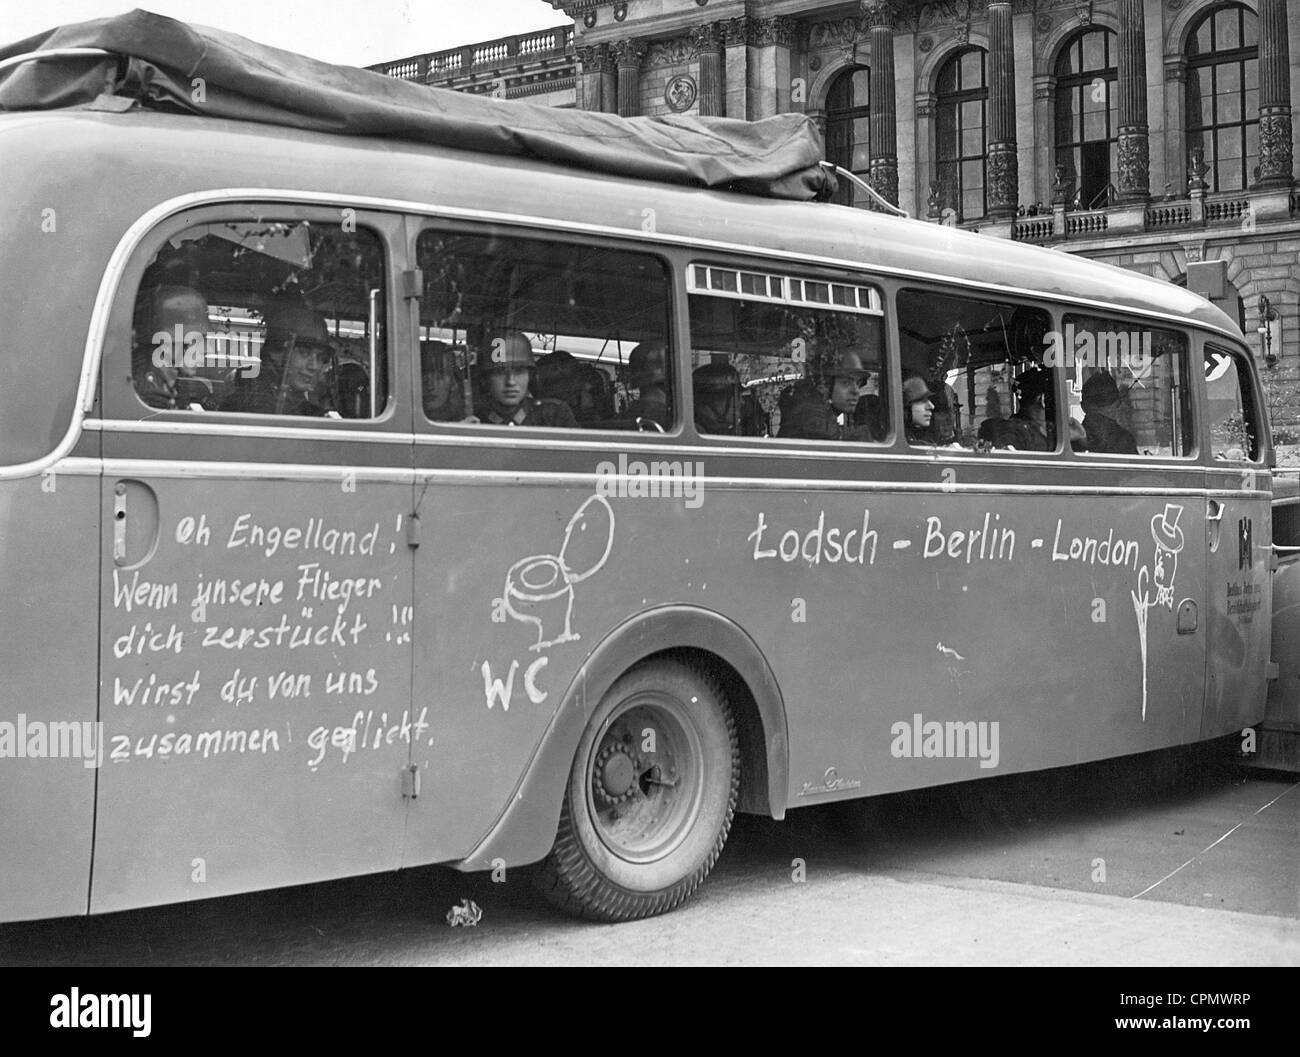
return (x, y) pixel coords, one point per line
(1270, 670)
(413, 530)
(410, 782)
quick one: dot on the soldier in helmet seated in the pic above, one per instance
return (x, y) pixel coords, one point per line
(647, 374)
(1030, 428)
(717, 399)
(296, 353)
(830, 417)
(169, 347)
(504, 371)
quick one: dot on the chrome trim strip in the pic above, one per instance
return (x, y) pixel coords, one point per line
(306, 472)
(271, 431)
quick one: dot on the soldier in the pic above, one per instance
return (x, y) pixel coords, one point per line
(158, 360)
(647, 374)
(1030, 428)
(295, 354)
(1101, 411)
(918, 410)
(504, 371)
(831, 418)
(717, 399)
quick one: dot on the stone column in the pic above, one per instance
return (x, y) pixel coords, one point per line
(1275, 159)
(1176, 147)
(628, 54)
(735, 34)
(883, 120)
(925, 186)
(597, 83)
(1003, 187)
(1134, 140)
(707, 41)
(769, 65)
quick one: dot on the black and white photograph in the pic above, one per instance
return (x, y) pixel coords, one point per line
(603, 483)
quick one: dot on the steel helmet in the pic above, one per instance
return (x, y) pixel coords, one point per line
(845, 365)
(510, 349)
(293, 320)
(716, 378)
(915, 389)
(1033, 383)
(646, 364)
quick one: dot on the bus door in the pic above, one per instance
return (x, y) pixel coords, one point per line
(1238, 533)
(256, 599)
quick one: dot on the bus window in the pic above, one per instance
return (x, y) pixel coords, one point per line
(973, 373)
(527, 332)
(269, 318)
(1128, 386)
(785, 356)
(1234, 430)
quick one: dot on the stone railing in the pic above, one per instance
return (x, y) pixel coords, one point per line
(1093, 222)
(518, 50)
(1243, 209)
(1168, 215)
(1035, 229)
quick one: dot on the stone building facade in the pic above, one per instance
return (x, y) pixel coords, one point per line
(1156, 135)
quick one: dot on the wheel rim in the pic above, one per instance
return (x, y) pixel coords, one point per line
(643, 804)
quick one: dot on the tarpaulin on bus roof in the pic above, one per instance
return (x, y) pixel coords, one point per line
(194, 69)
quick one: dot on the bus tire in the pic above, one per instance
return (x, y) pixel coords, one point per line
(650, 797)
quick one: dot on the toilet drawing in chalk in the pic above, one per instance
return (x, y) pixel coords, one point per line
(539, 589)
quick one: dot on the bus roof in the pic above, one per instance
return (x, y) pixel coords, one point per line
(176, 67)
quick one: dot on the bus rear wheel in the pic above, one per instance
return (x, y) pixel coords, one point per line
(650, 797)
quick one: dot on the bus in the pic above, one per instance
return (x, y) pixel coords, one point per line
(862, 504)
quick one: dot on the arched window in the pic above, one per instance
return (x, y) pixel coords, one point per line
(1223, 95)
(1087, 115)
(961, 123)
(848, 135)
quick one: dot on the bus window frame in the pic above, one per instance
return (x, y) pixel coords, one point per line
(464, 430)
(1265, 457)
(1195, 381)
(117, 408)
(797, 447)
(1054, 310)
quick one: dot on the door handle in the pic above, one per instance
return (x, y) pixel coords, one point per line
(1214, 511)
(119, 522)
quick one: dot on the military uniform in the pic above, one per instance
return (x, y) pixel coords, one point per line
(532, 412)
(820, 421)
(1107, 435)
(263, 400)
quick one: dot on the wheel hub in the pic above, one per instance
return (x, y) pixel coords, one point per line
(616, 775)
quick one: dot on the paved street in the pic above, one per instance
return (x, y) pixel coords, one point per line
(1118, 863)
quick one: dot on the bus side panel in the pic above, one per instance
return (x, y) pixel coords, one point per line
(1240, 607)
(876, 619)
(256, 675)
(49, 566)
(936, 638)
